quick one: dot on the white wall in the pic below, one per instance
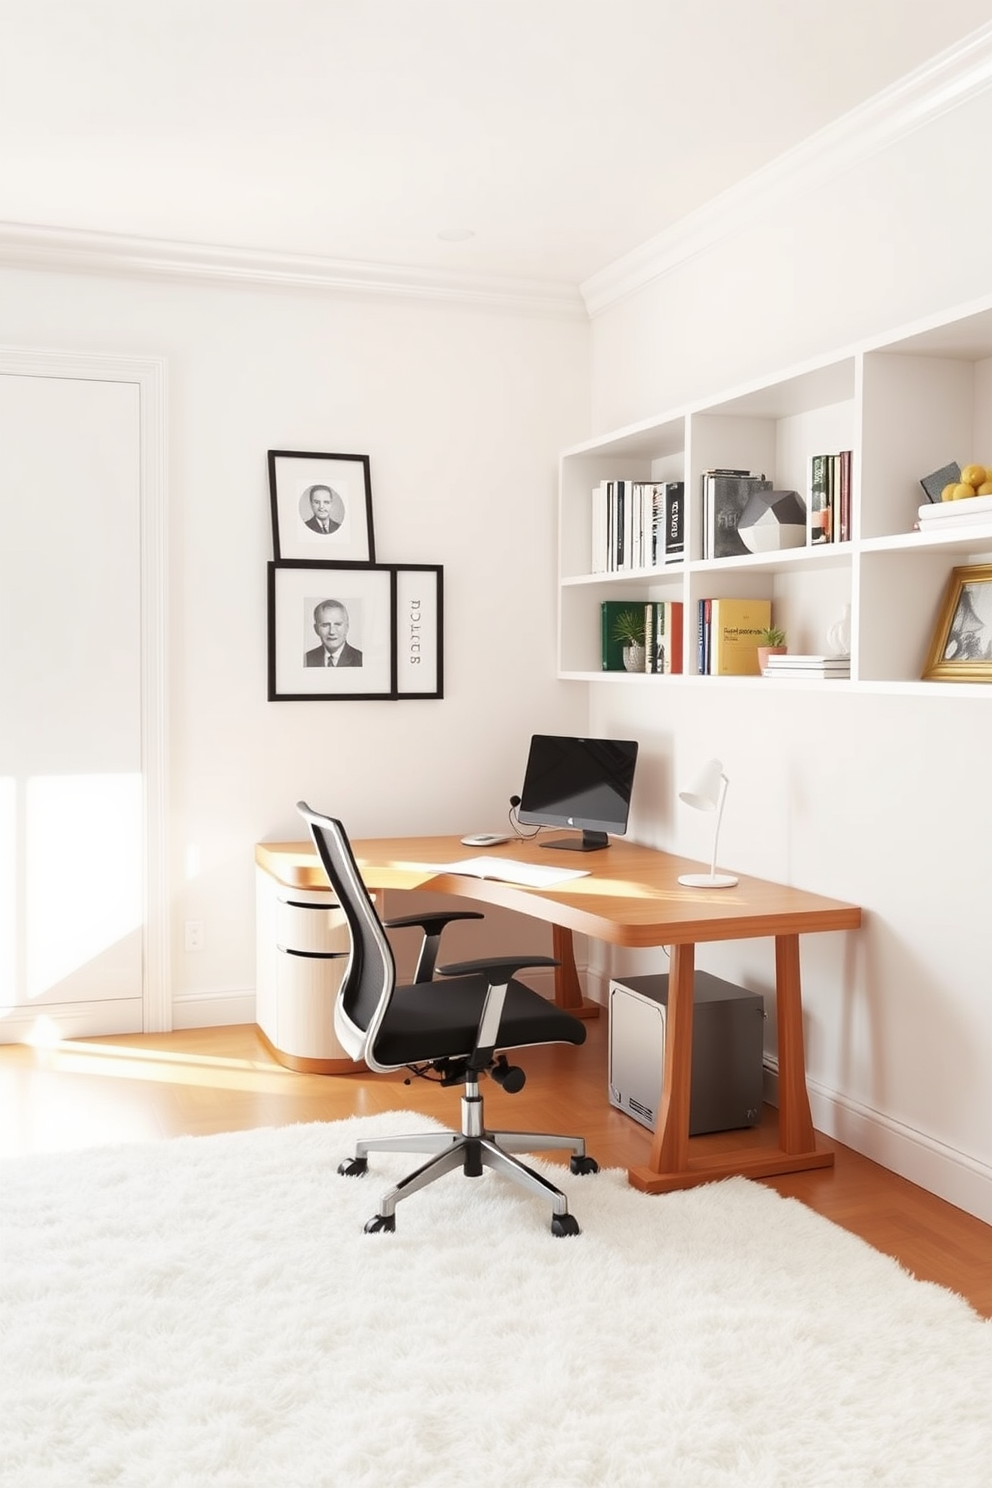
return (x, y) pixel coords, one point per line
(883, 799)
(462, 412)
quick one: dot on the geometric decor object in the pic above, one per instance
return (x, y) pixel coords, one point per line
(773, 520)
(934, 483)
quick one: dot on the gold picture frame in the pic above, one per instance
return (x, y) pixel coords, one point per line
(961, 648)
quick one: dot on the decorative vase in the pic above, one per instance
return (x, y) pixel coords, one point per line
(765, 651)
(633, 658)
(839, 634)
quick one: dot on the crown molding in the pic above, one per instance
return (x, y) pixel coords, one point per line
(945, 82)
(75, 251)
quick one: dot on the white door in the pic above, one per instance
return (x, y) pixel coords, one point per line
(72, 831)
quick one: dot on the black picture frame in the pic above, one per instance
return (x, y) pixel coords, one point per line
(366, 593)
(297, 482)
(419, 630)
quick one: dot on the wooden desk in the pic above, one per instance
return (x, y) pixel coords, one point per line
(631, 897)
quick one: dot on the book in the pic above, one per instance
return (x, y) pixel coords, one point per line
(786, 659)
(977, 527)
(725, 496)
(735, 628)
(794, 664)
(845, 459)
(818, 505)
(703, 611)
(825, 675)
(611, 649)
(674, 531)
(825, 668)
(955, 510)
(706, 515)
(598, 541)
(663, 633)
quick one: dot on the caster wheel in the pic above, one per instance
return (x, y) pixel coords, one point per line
(583, 1165)
(384, 1223)
(565, 1224)
(354, 1167)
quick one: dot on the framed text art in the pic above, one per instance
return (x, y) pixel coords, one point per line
(961, 648)
(419, 631)
(321, 507)
(331, 631)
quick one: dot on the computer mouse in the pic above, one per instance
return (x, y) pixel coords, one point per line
(484, 839)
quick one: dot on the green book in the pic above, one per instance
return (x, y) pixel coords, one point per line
(612, 646)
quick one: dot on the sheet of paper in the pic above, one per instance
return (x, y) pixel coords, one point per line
(509, 872)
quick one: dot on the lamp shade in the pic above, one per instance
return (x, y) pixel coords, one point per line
(707, 788)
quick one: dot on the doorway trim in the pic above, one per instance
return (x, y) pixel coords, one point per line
(149, 375)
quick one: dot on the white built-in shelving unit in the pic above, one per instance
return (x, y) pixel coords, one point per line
(905, 405)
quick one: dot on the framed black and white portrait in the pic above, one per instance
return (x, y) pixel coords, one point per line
(419, 631)
(331, 629)
(321, 507)
(961, 647)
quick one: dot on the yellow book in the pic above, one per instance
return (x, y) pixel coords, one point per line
(735, 625)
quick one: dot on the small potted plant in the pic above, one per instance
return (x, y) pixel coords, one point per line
(628, 629)
(771, 642)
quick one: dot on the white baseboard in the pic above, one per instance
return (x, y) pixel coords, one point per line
(214, 1009)
(48, 1023)
(962, 1180)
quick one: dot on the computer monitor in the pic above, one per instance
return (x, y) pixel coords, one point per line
(583, 783)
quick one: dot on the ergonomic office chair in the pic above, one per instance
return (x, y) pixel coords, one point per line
(451, 1026)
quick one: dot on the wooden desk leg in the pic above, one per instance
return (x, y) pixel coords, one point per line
(795, 1120)
(670, 1165)
(670, 1149)
(568, 989)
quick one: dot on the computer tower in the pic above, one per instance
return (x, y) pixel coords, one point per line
(727, 1049)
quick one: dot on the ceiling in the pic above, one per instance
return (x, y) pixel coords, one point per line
(561, 133)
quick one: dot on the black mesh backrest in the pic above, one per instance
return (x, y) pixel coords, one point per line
(371, 973)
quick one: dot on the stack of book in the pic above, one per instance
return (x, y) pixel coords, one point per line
(948, 516)
(827, 667)
(724, 495)
(663, 630)
(829, 506)
(728, 632)
(658, 621)
(636, 525)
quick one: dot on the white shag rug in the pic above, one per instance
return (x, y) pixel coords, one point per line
(206, 1312)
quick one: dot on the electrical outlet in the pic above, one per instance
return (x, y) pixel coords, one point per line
(194, 935)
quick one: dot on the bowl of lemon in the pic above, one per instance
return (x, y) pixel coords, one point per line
(976, 480)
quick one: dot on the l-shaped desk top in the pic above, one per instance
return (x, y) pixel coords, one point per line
(630, 895)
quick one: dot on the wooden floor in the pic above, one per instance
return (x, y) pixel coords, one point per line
(138, 1088)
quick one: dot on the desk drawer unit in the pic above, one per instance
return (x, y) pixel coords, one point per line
(302, 945)
(727, 1052)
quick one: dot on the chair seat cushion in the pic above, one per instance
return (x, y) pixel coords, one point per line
(433, 1020)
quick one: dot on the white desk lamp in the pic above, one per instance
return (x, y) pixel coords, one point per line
(708, 795)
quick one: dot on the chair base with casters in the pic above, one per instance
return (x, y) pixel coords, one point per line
(451, 1026)
(473, 1149)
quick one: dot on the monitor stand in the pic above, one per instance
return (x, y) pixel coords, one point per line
(588, 842)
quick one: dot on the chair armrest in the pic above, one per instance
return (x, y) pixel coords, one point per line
(498, 971)
(504, 966)
(432, 925)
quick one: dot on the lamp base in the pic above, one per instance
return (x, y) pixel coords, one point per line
(708, 880)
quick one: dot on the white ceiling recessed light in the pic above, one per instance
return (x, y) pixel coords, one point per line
(455, 234)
